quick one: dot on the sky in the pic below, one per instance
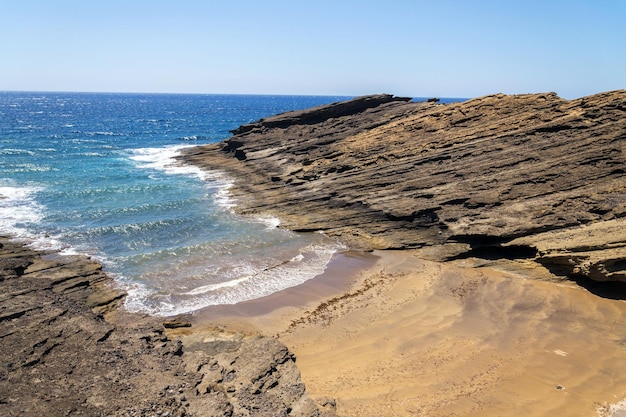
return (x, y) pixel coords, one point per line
(416, 48)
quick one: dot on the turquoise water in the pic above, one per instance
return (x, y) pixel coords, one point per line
(94, 174)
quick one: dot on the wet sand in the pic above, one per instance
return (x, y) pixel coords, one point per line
(271, 314)
(390, 334)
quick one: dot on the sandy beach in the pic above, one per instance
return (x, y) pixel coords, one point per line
(531, 184)
(391, 334)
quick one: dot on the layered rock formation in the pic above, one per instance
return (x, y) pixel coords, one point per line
(523, 176)
(60, 357)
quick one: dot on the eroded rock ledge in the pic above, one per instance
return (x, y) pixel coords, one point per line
(496, 176)
(60, 357)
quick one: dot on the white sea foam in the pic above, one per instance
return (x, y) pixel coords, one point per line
(223, 196)
(103, 134)
(212, 287)
(20, 214)
(48, 242)
(69, 251)
(136, 294)
(18, 209)
(164, 159)
(29, 168)
(12, 151)
(247, 285)
(270, 222)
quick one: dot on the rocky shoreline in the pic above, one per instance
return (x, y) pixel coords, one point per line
(531, 177)
(67, 350)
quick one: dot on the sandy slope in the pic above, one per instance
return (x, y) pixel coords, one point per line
(422, 338)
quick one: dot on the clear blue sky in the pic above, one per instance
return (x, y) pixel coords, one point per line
(440, 48)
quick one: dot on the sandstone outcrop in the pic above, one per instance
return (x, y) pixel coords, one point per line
(501, 176)
(60, 357)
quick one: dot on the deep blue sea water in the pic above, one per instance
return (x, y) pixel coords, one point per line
(94, 174)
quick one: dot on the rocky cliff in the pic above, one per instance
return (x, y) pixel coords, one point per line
(503, 176)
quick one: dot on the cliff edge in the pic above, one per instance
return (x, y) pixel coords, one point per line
(529, 176)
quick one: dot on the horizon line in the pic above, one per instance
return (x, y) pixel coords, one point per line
(224, 94)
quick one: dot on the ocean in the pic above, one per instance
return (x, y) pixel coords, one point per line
(94, 174)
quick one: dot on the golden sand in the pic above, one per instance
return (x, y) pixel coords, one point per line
(391, 334)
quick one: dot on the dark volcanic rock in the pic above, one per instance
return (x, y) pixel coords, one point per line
(60, 357)
(472, 176)
(320, 114)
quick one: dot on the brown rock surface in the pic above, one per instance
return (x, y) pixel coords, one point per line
(59, 356)
(490, 177)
